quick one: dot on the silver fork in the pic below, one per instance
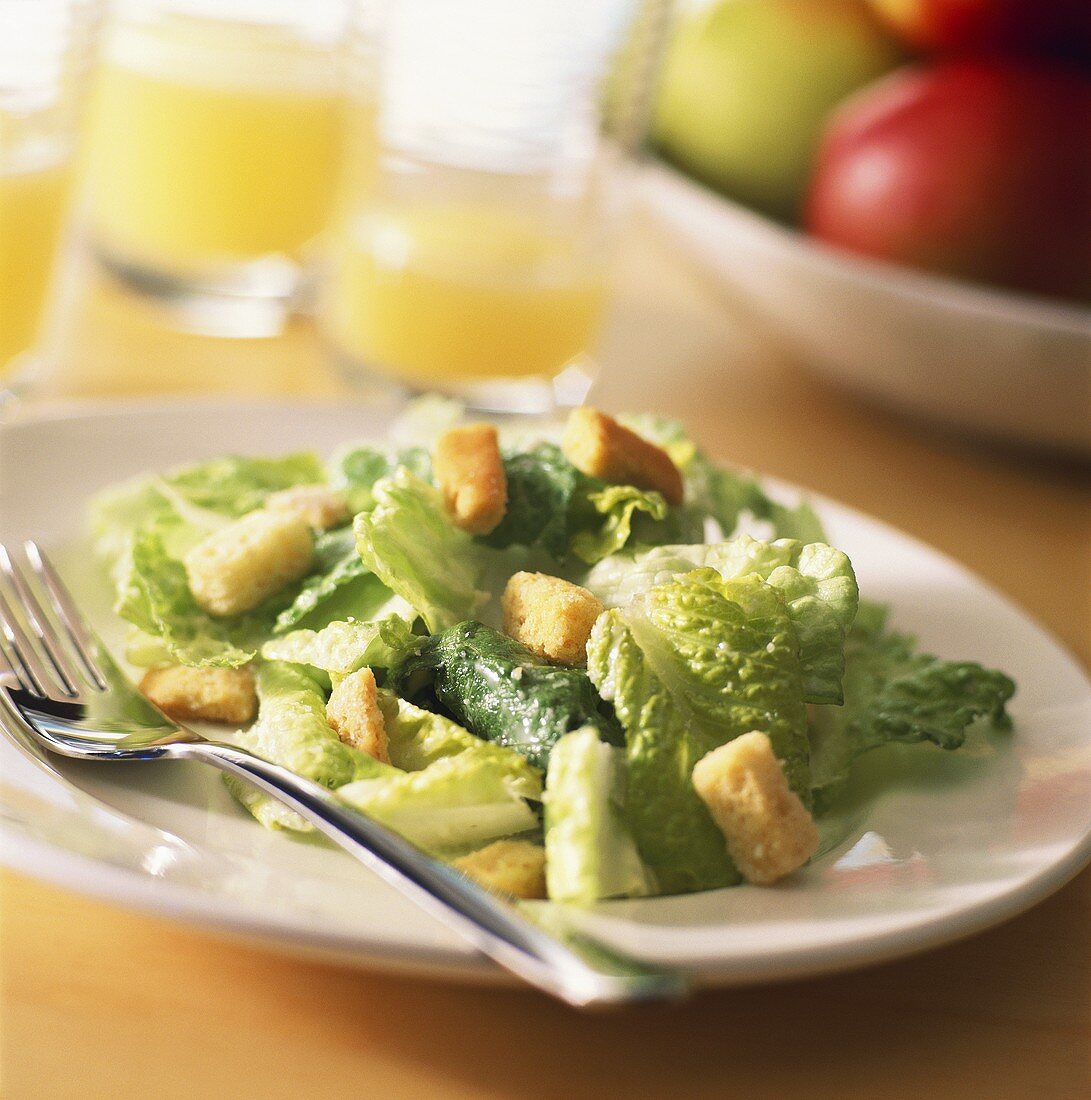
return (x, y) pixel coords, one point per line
(65, 691)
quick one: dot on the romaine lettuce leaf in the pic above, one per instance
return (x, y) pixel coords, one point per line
(720, 493)
(590, 853)
(153, 594)
(356, 470)
(408, 541)
(816, 580)
(544, 489)
(557, 508)
(619, 506)
(420, 737)
(198, 495)
(501, 691)
(292, 730)
(235, 485)
(343, 647)
(142, 529)
(457, 802)
(689, 665)
(893, 693)
(341, 587)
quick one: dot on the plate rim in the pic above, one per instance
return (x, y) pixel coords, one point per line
(196, 908)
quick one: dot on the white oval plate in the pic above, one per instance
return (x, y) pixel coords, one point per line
(933, 846)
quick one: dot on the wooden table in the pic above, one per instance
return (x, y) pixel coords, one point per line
(102, 1002)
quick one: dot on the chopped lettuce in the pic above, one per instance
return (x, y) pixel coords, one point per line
(356, 470)
(419, 737)
(619, 505)
(590, 853)
(410, 543)
(343, 647)
(689, 665)
(816, 580)
(457, 802)
(341, 587)
(236, 485)
(141, 530)
(544, 489)
(199, 496)
(894, 694)
(721, 493)
(501, 691)
(292, 730)
(153, 594)
(554, 507)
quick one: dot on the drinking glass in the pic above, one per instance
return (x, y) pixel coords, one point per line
(215, 150)
(469, 254)
(46, 51)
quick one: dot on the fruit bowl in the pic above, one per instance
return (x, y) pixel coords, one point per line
(988, 361)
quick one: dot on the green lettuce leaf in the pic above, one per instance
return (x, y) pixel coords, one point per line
(501, 691)
(356, 470)
(408, 541)
(420, 737)
(456, 803)
(619, 505)
(153, 594)
(201, 496)
(341, 587)
(689, 665)
(722, 494)
(235, 485)
(590, 853)
(142, 528)
(895, 694)
(343, 647)
(292, 730)
(554, 507)
(816, 580)
(543, 490)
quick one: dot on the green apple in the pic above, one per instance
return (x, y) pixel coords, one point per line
(748, 84)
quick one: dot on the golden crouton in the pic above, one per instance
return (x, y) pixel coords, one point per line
(551, 617)
(601, 447)
(317, 506)
(768, 830)
(354, 715)
(209, 694)
(241, 565)
(471, 476)
(511, 867)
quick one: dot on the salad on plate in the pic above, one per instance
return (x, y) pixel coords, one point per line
(578, 661)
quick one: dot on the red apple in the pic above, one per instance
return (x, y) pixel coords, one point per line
(1015, 26)
(978, 169)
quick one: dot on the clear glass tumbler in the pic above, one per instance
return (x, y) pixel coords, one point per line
(215, 151)
(470, 251)
(46, 52)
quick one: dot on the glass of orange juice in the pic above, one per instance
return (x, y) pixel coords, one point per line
(215, 151)
(471, 257)
(46, 49)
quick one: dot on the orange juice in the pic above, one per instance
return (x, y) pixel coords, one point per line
(212, 142)
(435, 293)
(32, 204)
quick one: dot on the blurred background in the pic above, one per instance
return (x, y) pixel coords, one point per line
(513, 203)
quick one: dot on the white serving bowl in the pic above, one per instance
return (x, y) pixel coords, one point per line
(997, 363)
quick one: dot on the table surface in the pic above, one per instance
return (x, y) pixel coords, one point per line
(99, 1001)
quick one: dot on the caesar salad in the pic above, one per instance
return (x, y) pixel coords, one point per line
(577, 661)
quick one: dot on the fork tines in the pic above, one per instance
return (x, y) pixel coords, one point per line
(44, 640)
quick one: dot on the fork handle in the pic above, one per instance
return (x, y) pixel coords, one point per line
(576, 969)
